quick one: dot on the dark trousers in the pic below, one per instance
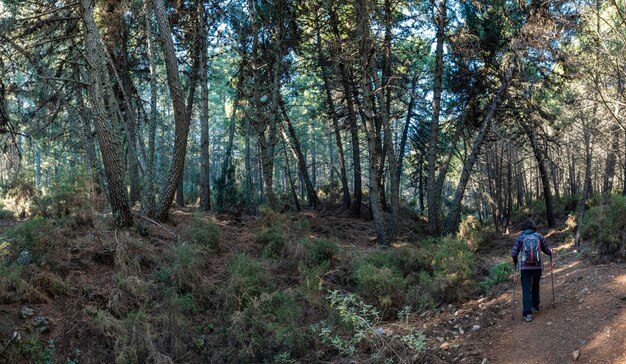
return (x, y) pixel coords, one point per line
(530, 290)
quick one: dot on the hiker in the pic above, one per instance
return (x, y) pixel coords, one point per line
(528, 245)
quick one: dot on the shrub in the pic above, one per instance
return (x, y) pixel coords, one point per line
(321, 251)
(353, 328)
(605, 226)
(499, 273)
(383, 284)
(452, 266)
(268, 217)
(268, 326)
(472, 231)
(31, 235)
(273, 240)
(6, 214)
(403, 261)
(204, 233)
(186, 303)
(248, 279)
(185, 269)
(420, 298)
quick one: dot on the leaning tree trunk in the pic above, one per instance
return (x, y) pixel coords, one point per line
(454, 214)
(310, 190)
(181, 118)
(107, 133)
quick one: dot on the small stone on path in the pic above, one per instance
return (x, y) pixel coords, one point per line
(24, 257)
(475, 327)
(26, 312)
(444, 346)
(575, 355)
(485, 361)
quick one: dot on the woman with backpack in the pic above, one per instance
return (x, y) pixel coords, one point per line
(528, 247)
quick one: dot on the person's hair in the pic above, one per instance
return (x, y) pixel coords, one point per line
(529, 223)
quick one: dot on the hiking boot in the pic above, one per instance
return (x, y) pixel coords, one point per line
(535, 310)
(528, 318)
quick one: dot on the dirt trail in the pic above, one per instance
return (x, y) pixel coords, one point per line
(589, 317)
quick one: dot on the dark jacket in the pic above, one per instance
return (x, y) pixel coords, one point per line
(518, 246)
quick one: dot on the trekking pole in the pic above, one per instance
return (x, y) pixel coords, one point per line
(552, 277)
(514, 296)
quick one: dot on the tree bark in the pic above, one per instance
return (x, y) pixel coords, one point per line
(433, 147)
(587, 182)
(357, 196)
(314, 201)
(205, 186)
(543, 173)
(149, 197)
(454, 214)
(366, 54)
(181, 118)
(107, 133)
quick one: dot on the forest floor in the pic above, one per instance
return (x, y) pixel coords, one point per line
(589, 315)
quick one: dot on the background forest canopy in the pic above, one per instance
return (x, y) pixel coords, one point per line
(447, 108)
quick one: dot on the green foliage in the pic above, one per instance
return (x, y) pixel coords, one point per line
(248, 279)
(6, 214)
(353, 327)
(31, 349)
(186, 303)
(402, 261)
(32, 235)
(322, 250)
(163, 275)
(204, 233)
(268, 328)
(472, 232)
(67, 196)
(605, 226)
(451, 264)
(353, 322)
(267, 216)
(499, 273)
(383, 284)
(273, 240)
(185, 269)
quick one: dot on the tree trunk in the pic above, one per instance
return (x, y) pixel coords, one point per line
(611, 159)
(545, 179)
(407, 124)
(226, 163)
(205, 187)
(181, 118)
(366, 50)
(454, 214)
(149, 198)
(433, 147)
(587, 182)
(357, 197)
(314, 201)
(110, 144)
